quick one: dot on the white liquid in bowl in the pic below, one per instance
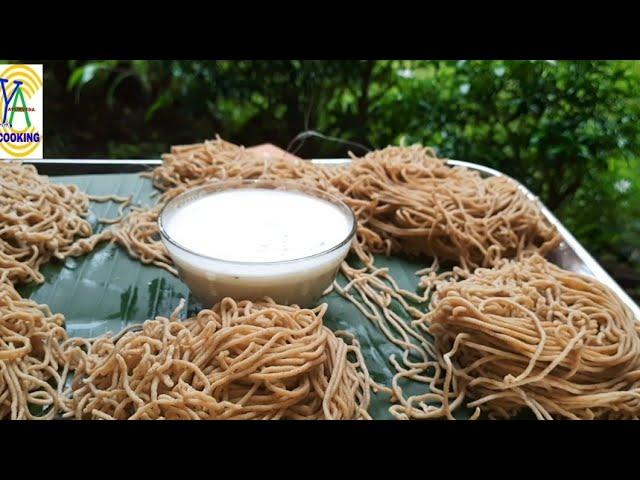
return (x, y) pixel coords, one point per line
(248, 243)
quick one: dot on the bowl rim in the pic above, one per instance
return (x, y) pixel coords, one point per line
(216, 186)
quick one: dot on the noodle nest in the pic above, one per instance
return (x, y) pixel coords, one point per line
(39, 220)
(236, 361)
(409, 201)
(32, 361)
(530, 335)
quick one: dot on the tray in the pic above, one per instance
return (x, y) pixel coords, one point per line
(107, 290)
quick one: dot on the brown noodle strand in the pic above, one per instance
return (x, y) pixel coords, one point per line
(236, 361)
(123, 201)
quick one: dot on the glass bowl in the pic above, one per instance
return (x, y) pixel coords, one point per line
(299, 281)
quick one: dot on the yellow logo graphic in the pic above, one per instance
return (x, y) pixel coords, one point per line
(21, 128)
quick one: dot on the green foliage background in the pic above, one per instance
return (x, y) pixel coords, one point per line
(569, 130)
